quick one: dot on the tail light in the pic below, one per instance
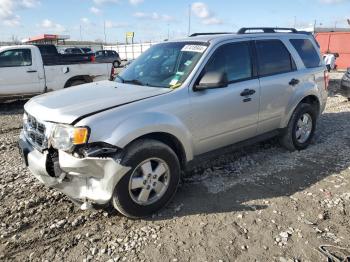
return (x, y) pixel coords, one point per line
(112, 73)
(326, 79)
(93, 58)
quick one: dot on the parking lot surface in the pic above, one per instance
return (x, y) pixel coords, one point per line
(260, 203)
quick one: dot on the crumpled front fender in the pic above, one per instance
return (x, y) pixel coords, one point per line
(90, 178)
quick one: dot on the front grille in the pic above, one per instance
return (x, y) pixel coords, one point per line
(35, 132)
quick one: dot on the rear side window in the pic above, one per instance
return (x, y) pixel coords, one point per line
(16, 57)
(233, 59)
(273, 58)
(307, 52)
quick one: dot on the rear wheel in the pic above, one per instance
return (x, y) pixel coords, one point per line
(76, 83)
(300, 129)
(151, 182)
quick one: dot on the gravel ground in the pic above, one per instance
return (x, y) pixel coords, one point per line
(257, 204)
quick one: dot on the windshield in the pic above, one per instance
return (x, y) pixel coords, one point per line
(164, 65)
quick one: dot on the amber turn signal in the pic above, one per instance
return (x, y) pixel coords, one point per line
(80, 135)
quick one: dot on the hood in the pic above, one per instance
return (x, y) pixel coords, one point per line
(65, 106)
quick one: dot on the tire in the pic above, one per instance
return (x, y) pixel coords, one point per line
(116, 64)
(76, 83)
(125, 199)
(290, 139)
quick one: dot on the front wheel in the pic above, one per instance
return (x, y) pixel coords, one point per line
(116, 64)
(301, 128)
(151, 182)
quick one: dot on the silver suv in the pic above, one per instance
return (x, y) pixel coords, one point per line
(128, 141)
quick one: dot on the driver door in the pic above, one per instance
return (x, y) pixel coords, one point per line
(224, 116)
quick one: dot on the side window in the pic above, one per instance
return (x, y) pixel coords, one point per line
(273, 58)
(16, 57)
(233, 59)
(307, 52)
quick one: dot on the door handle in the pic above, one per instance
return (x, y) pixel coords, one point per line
(31, 71)
(248, 92)
(294, 82)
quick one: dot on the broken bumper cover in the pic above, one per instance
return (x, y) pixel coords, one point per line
(82, 179)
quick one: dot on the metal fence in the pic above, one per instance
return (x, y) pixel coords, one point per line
(131, 51)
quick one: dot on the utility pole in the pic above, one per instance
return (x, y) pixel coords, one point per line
(189, 20)
(81, 38)
(315, 23)
(168, 31)
(104, 31)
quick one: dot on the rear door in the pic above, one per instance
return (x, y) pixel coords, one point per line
(223, 116)
(276, 69)
(18, 73)
(312, 62)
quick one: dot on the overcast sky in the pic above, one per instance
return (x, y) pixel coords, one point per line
(153, 19)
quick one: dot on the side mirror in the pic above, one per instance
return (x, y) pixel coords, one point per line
(212, 80)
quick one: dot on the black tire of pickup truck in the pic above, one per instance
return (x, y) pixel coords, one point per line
(137, 153)
(288, 139)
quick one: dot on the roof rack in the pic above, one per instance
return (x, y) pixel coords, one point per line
(217, 33)
(265, 30)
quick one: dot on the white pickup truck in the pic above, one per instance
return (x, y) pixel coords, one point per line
(28, 70)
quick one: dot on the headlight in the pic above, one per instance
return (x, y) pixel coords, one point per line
(66, 137)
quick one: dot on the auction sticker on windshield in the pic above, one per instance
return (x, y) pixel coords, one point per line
(194, 48)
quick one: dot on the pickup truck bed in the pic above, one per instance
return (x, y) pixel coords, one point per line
(51, 56)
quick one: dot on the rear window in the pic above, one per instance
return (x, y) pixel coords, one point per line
(273, 58)
(47, 50)
(307, 52)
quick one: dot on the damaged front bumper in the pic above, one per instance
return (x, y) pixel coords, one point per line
(90, 179)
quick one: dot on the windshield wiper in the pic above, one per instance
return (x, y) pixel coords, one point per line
(134, 81)
(137, 82)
